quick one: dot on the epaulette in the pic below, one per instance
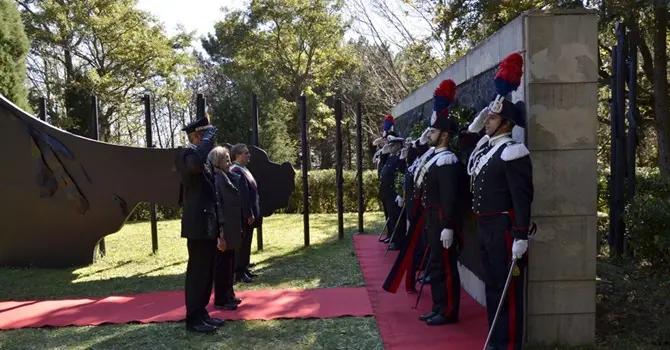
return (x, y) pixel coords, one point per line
(447, 158)
(514, 150)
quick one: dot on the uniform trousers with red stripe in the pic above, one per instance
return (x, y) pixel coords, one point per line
(445, 281)
(495, 247)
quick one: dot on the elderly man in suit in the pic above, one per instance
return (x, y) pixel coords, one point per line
(251, 209)
(199, 224)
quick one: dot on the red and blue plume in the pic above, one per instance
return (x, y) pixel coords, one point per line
(388, 122)
(509, 74)
(444, 95)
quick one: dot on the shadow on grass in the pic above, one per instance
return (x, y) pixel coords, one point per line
(337, 333)
(326, 264)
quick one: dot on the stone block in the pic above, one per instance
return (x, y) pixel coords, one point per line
(563, 116)
(561, 297)
(563, 249)
(570, 329)
(565, 183)
(562, 48)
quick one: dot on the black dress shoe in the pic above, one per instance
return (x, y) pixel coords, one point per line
(250, 274)
(427, 316)
(200, 327)
(244, 278)
(392, 246)
(236, 301)
(386, 240)
(216, 322)
(440, 320)
(230, 306)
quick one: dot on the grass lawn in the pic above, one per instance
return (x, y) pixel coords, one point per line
(633, 312)
(129, 267)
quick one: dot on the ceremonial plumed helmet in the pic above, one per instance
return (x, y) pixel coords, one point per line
(443, 97)
(388, 125)
(508, 79)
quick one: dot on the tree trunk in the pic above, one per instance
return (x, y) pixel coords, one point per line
(661, 104)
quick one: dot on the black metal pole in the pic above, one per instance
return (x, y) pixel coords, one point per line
(632, 119)
(621, 135)
(254, 120)
(150, 144)
(302, 108)
(43, 109)
(359, 165)
(613, 145)
(94, 131)
(254, 140)
(338, 168)
(200, 106)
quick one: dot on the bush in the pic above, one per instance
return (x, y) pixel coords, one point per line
(647, 219)
(322, 192)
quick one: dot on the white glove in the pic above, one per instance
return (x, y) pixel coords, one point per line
(386, 149)
(398, 200)
(519, 248)
(424, 137)
(478, 123)
(378, 141)
(447, 238)
(403, 153)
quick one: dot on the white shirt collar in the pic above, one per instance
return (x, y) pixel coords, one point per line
(499, 138)
(441, 149)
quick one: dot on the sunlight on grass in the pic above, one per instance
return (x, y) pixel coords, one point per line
(130, 267)
(337, 333)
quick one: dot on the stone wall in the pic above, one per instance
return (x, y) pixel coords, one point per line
(560, 90)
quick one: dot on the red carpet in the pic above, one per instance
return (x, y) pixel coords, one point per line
(169, 306)
(398, 322)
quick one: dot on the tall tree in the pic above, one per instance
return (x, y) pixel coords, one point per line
(14, 47)
(103, 47)
(282, 49)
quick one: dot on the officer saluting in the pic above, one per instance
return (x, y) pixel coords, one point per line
(391, 199)
(502, 188)
(199, 224)
(439, 178)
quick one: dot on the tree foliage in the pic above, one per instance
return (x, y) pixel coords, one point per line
(14, 46)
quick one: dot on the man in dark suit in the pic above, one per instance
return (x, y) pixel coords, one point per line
(199, 224)
(251, 209)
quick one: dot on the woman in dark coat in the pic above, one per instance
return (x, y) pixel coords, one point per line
(229, 212)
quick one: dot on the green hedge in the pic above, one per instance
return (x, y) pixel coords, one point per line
(647, 218)
(322, 191)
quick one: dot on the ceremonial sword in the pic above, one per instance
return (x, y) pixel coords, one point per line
(531, 233)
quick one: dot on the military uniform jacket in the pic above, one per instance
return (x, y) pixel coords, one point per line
(382, 161)
(387, 177)
(199, 220)
(502, 181)
(440, 186)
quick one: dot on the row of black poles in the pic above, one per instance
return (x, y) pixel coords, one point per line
(623, 149)
(302, 108)
(305, 162)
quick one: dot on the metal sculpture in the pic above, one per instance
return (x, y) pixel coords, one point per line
(62, 193)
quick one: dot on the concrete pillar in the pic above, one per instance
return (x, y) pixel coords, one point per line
(561, 93)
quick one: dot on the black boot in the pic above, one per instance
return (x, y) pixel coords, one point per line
(427, 316)
(440, 320)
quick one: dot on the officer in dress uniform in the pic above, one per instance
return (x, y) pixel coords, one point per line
(199, 223)
(380, 158)
(502, 189)
(439, 178)
(387, 189)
